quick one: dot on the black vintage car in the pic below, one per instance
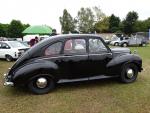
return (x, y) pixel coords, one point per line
(68, 57)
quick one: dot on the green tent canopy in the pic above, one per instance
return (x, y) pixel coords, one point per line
(38, 30)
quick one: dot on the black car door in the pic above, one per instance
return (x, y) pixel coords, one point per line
(99, 56)
(75, 57)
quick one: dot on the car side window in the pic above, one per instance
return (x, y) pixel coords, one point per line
(53, 49)
(5, 46)
(96, 46)
(0, 45)
(75, 46)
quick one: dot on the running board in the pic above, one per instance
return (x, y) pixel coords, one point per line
(85, 79)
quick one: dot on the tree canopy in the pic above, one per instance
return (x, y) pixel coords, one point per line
(12, 30)
(114, 23)
(85, 20)
(67, 22)
(129, 22)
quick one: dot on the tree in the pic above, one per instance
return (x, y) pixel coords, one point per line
(99, 15)
(25, 26)
(140, 26)
(85, 20)
(15, 29)
(67, 22)
(114, 23)
(129, 22)
(102, 26)
(2, 31)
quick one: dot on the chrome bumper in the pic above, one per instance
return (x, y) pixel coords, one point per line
(7, 82)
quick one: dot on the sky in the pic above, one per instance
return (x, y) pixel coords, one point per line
(47, 12)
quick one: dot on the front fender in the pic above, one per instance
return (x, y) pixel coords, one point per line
(115, 65)
(30, 70)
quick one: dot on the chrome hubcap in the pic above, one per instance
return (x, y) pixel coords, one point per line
(125, 45)
(41, 82)
(130, 73)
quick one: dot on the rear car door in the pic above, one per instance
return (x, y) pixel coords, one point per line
(99, 56)
(70, 55)
(75, 57)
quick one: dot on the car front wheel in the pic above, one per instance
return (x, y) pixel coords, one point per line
(41, 85)
(8, 58)
(129, 73)
(124, 44)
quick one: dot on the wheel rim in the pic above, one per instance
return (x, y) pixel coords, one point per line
(130, 73)
(124, 45)
(41, 82)
(116, 44)
(7, 58)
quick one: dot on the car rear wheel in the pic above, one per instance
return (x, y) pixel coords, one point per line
(8, 58)
(41, 85)
(129, 73)
(116, 44)
(143, 44)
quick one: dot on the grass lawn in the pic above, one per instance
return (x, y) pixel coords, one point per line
(101, 96)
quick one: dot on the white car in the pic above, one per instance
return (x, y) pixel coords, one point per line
(10, 50)
(115, 41)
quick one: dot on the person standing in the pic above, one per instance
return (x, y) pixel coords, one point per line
(34, 41)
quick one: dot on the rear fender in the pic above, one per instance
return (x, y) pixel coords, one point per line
(28, 71)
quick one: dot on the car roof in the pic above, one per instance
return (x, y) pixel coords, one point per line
(65, 36)
(8, 41)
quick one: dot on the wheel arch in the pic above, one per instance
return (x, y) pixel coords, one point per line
(116, 64)
(28, 71)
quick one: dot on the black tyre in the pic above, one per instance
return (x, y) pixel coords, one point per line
(143, 44)
(41, 85)
(124, 45)
(129, 73)
(8, 58)
(116, 44)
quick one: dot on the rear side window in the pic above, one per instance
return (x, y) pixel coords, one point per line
(53, 49)
(75, 46)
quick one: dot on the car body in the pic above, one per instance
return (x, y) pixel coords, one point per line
(115, 41)
(134, 40)
(26, 43)
(10, 50)
(69, 57)
(107, 41)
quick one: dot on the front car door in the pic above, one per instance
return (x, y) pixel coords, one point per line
(99, 56)
(1, 50)
(4, 49)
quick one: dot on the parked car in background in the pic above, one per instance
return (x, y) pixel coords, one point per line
(26, 43)
(115, 40)
(107, 41)
(134, 40)
(70, 57)
(10, 50)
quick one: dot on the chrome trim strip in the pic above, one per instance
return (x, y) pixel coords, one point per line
(101, 54)
(76, 56)
(65, 56)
